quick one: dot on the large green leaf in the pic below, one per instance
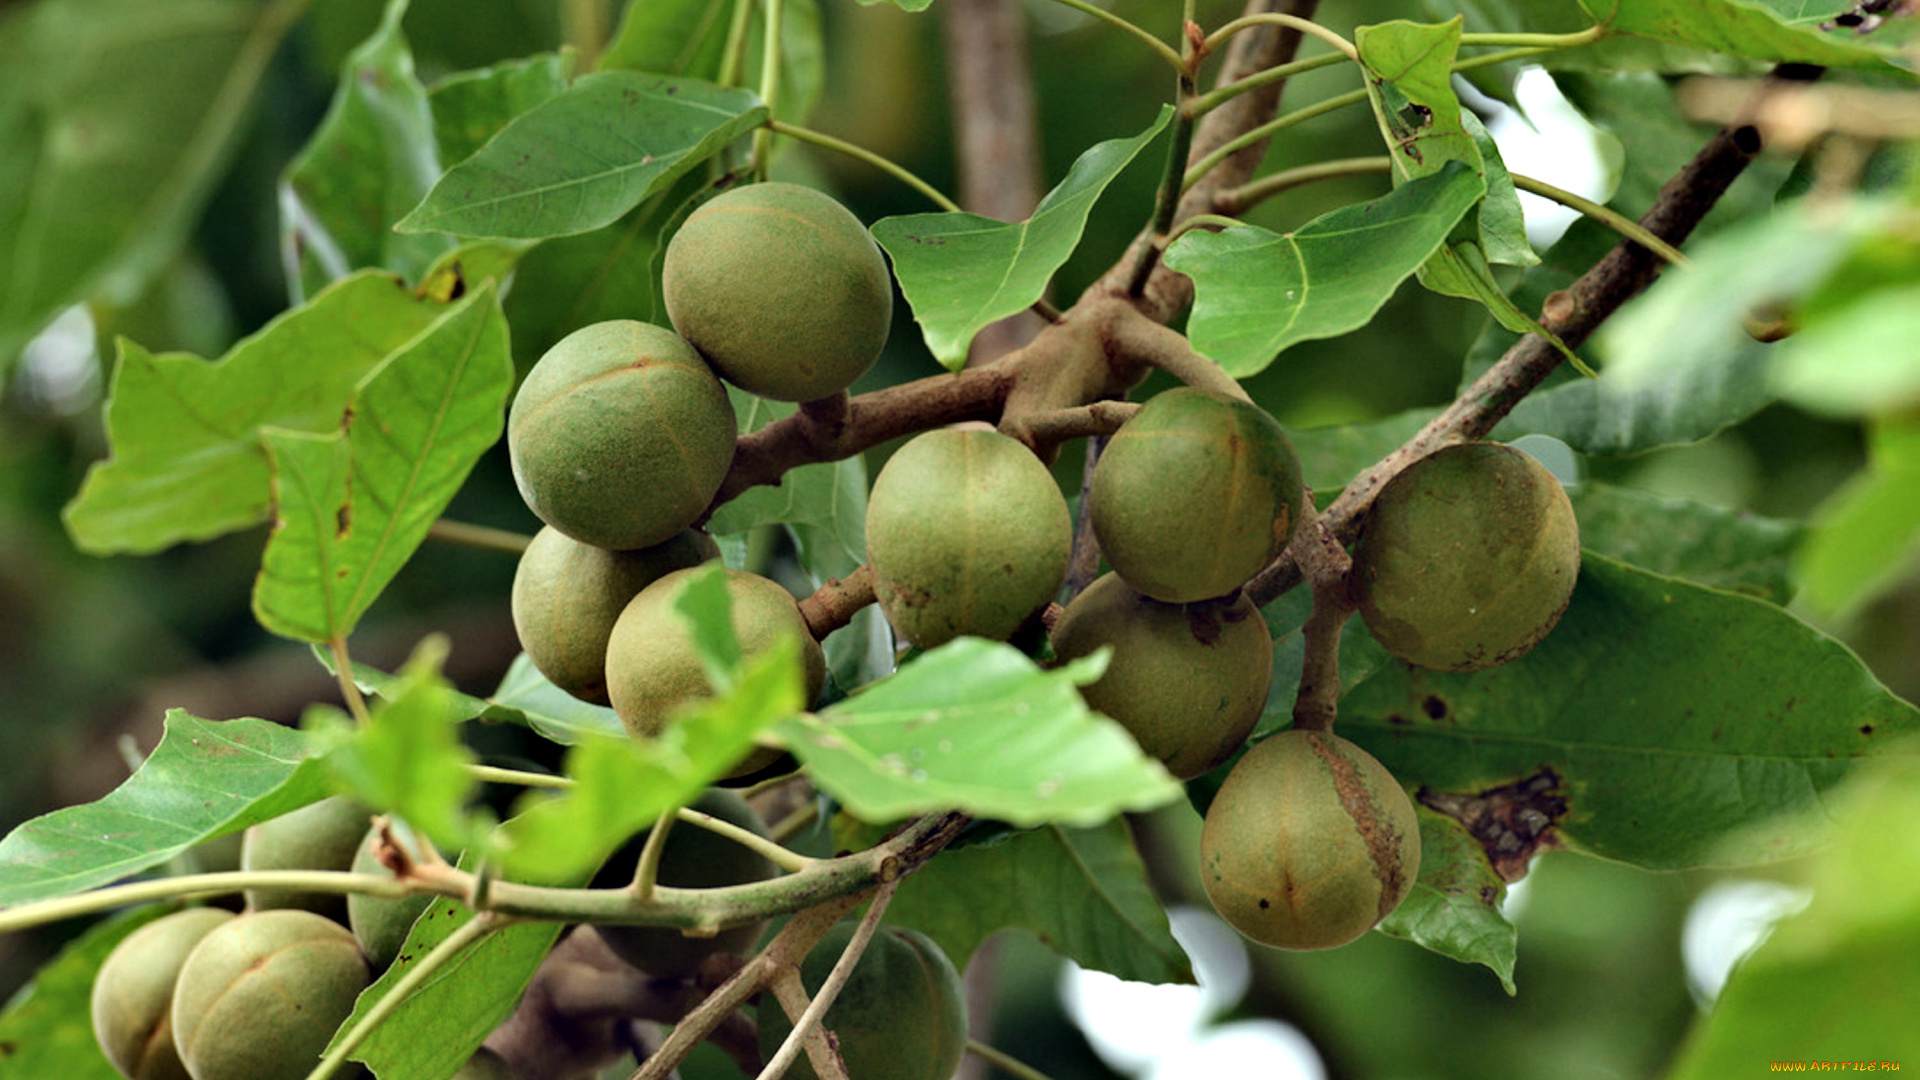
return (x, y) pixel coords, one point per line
(1084, 892)
(524, 697)
(447, 1017)
(1661, 723)
(206, 778)
(1868, 535)
(1856, 360)
(116, 119)
(47, 1029)
(470, 107)
(1409, 69)
(1835, 983)
(1740, 28)
(1707, 545)
(573, 281)
(581, 159)
(371, 161)
(622, 786)
(687, 38)
(350, 507)
(1454, 907)
(1257, 292)
(188, 463)
(975, 726)
(962, 271)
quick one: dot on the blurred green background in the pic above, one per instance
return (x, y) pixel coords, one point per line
(92, 651)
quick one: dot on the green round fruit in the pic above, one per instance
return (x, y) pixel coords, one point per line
(653, 667)
(133, 994)
(620, 435)
(1194, 495)
(781, 289)
(567, 595)
(1309, 842)
(1467, 558)
(320, 836)
(900, 1016)
(381, 923)
(692, 858)
(260, 997)
(967, 533)
(1187, 680)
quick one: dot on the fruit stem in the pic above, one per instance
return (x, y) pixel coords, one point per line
(769, 84)
(647, 871)
(349, 689)
(834, 604)
(733, 58)
(1004, 1061)
(884, 164)
(786, 860)
(1328, 568)
(495, 775)
(809, 1018)
(1133, 334)
(468, 933)
(449, 531)
(1043, 431)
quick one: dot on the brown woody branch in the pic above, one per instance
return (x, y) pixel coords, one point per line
(1572, 313)
(834, 604)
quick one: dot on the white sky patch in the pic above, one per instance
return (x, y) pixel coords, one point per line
(1548, 140)
(1728, 921)
(1167, 1032)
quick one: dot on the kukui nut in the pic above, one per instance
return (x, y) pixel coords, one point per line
(132, 1001)
(900, 1016)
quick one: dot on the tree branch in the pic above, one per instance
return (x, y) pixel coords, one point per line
(834, 604)
(1572, 313)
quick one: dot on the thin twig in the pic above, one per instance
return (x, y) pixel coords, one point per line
(791, 861)
(646, 871)
(1166, 51)
(791, 992)
(1236, 201)
(495, 775)
(484, 537)
(861, 153)
(1004, 1061)
(343, 673)
(1292, 22)
(830, 989)
(1605, 215)
(195, 886)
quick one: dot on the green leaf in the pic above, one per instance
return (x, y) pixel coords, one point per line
(975, 726)
(1502, 223)
(1679, 403)
(574, 281)
(116, 119)
(581, 159)
(1835, 982)
(408, 760)
(1689, 324)
(1409, 69)
(622, 786)
(1454, 908)
(1739, 28)
(1856, 360)
(188, 463)
(371, 161)
(470, 107)
(47, 1029)
(903, 5)
(1257, 292)
(207, 778)
(449, 1015)
(707, 606)
(687, 38)
(351, 507)
(1868, 535)
(1084, 892)
(1661, 723)
(1707, 545)
(524, 697)
(963, 271)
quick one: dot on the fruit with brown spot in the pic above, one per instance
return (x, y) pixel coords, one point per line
(1186, 680)
(567, 596)
(1309, 842)
(967, 534)
(381, 923)
(1194, 495)
(1467, 558)
(781, 289)
(261, 996)
(132, 1001)
(620, 435)
(653, 667)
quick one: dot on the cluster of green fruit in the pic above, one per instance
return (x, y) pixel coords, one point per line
(210, 995)
(1465, 561)
(622, 433)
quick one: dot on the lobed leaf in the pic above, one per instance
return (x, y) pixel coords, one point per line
(975, 726)
(1257, 292)
(581, 159)
(962, 271)
(371, 161)
(1454, 908)
(207, 778)
(187, 461)
(351, 506)
(1083, 892)
(1661, 723)
(1739, 28)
